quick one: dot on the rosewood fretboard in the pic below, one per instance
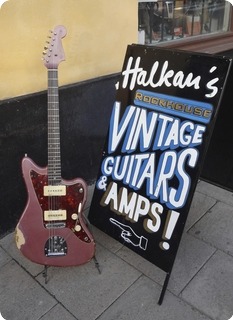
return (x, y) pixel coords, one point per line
(54, 154)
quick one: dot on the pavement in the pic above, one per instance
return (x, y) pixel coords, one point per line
(128, 287)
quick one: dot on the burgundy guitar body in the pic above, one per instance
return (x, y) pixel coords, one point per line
(52, 229)
(55, 243)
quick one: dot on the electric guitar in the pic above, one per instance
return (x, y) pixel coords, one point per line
(52, 229)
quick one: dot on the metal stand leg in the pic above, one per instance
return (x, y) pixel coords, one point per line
(95, 260)
(97, 264)
(164, 289)
(45, 274)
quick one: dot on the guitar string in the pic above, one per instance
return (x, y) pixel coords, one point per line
(51, 162)
(56, 142)
(55, 155)
(52, 137)
(49, 156)
(54, 160)
(49, 205)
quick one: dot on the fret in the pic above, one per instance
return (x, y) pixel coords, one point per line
(51, 157)
(54, 165)
(54, 153)
(54, 169)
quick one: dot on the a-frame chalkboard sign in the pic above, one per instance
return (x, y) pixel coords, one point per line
(161, 123)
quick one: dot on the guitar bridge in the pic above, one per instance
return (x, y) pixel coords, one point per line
(55, 246)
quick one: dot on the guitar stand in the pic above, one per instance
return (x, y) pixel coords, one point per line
(94, 257)
(97, 264)
(45, 271)
(45, 274)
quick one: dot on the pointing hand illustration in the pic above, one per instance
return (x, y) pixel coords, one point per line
(129, 236)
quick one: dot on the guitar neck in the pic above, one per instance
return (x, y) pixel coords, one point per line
(54, 154)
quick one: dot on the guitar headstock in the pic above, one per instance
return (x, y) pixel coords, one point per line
(54, 52)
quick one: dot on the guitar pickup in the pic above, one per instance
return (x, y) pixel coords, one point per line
(59, 190)
(55, 225)
(51, 215)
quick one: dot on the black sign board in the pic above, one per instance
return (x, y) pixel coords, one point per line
(161, 123)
